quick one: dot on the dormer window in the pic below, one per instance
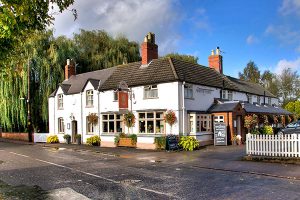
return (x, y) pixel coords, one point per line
(150, 92)
(250, 99)
(188, 91)
(226, 94)
(60, 101)
(89, 98)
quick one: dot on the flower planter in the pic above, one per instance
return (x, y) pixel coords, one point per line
(126, 142)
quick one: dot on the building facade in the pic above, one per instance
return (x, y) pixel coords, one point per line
(198, 95)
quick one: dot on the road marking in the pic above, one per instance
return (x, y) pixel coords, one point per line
(107, 179)
(19, 154)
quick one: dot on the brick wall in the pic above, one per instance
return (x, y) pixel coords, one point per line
(15, 136)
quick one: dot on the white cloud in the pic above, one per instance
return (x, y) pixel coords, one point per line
(289, 7)
(286, 34)
(134, 19)
(298, 49)
(251, 39)
(292, 64)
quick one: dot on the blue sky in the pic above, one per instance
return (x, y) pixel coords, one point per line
(265, 31)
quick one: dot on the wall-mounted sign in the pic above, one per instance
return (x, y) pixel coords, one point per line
(220, 132)
(203, 91)
(123, 100)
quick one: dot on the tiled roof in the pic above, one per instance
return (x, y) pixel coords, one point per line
(223, 107)
(160, 70)
(264, 109)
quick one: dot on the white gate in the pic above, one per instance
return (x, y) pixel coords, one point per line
(40, 137)
(273, 145)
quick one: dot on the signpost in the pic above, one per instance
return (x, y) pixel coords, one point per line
(172, 143)
(220, 131)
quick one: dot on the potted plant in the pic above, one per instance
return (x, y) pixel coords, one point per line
(67, 138)
(124, 140)
(78, 139)
(234, 140)
(94, 140)
(170, 118)
(129, 120)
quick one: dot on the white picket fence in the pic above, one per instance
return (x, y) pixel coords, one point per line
(273, 145)
(40, 137)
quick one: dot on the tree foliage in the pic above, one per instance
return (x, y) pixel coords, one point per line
(47, 57)
(293, 107)
(20, 18)
(98, 50)
(250, 73)
(187, 58)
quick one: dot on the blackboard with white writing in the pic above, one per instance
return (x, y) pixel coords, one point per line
(172, 143)
(220, 131)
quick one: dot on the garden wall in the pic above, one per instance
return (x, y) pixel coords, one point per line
(15, 136)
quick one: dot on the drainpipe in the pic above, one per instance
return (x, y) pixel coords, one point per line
(81, 117)
(183, 108)
(98, 89)
(53, 115)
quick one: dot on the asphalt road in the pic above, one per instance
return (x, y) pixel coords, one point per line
(69, 172)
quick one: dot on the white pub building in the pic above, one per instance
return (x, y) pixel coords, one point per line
(198, 95)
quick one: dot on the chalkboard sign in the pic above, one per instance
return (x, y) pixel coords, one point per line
(220, 131)
(172, 143)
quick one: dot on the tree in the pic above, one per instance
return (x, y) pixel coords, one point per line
(19, 18)
(98, 50)
(187, 58)
(270, 82)
(250, 73)
(288, 85)
(293, 107)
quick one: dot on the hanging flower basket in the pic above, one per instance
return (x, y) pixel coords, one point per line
(93, 118)
(170, 117)
(129, 119)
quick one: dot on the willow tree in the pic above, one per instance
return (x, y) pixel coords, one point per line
(46, 56)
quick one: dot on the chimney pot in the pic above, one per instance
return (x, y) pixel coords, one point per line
(69, 69)
(68, 61)
(215, 61)
(149, 49)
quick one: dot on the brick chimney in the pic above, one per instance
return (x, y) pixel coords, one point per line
(149, 49)
(215, 61)
(69, 69)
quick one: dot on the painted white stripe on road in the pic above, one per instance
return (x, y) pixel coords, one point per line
(107, 179)
(19, 154)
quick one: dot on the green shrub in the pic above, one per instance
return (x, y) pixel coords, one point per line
(52, 139)
(78, 136)
(67, 136)
(117, 139)
(255, 131)
(268, 130)
(160, 142)
(94, 140)
(133, 138)
(188, 143)
(123, 135)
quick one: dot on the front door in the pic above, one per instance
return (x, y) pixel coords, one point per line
(74, 130)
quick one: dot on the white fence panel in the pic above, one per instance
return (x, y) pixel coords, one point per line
(40, 137)
(273, 145)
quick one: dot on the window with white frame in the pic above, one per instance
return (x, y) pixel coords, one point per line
(250, 98)
(61, 125)
(269, 101)
(89, 98)
(150, 92)
(151, 122)
(203, 123)
(258, 100)
(60, 101)
(90, 127)
(219, 118)
(226, 94)
(112, 123)
(116, 96)
(188, 91)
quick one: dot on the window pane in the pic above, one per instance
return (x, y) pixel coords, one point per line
(105, 127)
(111, 127)
(118, 116)
(159, 128)
(141, 115)
(142, 126)
(159, 115)
(104, 117)
(111, 116)
(150, 115)
(150, 126)
(119, 127)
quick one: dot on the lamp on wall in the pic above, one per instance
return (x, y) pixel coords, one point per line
(72, 117)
